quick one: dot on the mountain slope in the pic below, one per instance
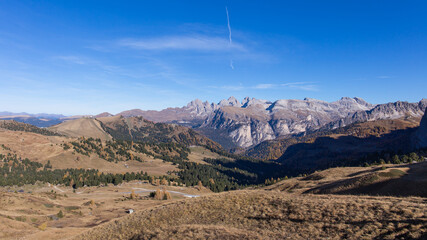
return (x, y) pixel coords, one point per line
(421, 134)
(82, 127)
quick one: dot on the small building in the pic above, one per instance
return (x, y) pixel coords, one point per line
(130, 211)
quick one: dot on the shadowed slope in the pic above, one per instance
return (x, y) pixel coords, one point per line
(392, 180)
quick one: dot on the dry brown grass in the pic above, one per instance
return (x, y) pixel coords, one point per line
(394, 180)
(199, 153)
(87, 127)
(260, 214)
(22, 215)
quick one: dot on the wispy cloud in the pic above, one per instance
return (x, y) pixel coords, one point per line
(264, 86)
(71, 59)
(86, 61)
(231, 64)
(383, 77)
(305, 86)
(193, 42)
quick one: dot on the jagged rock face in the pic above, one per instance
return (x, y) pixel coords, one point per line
(199, 108)
(258, 120)
(232, 101)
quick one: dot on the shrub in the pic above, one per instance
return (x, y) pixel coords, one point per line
(43, 226)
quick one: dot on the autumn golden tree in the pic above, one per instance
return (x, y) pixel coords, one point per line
(133, 195)
(164, 181)
(200, 185)
(158, 195)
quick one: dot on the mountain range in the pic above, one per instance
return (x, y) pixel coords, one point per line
(247, 123)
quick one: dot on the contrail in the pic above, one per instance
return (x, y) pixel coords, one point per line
(229, 36)
(229, 27)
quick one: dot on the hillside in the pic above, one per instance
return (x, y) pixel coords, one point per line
(187, 164)
(19, 126)
(86, 127)
(61, 154)
(386, 180)
(259, 214)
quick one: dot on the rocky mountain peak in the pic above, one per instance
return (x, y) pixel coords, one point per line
(247, 102)
(200, 108)
(195, 103)
(363, 102)
(352, 104)
(231, 101)
(423, 103)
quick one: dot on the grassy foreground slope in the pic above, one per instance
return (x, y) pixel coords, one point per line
(260, 214)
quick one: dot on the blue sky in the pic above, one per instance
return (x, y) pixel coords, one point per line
(86, 57)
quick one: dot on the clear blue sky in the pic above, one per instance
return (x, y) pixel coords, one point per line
(86, 57)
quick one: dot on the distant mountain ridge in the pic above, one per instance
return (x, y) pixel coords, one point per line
(38, 115)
